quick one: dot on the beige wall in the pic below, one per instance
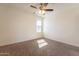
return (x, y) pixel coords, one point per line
(16, 24)
(63, 24)
(19, 24)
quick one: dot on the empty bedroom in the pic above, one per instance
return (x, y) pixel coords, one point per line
(39, 29)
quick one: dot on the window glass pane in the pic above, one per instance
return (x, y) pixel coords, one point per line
(38, 29)
(38, 25)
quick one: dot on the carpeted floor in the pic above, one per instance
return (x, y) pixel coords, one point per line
(39, 47)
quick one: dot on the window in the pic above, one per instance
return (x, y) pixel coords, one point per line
(38, 26)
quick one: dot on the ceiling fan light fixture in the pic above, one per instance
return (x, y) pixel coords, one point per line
(41, 12)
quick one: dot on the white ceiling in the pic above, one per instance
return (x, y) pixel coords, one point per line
(25, 6)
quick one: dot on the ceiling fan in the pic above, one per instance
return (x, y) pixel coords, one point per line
(42, 7)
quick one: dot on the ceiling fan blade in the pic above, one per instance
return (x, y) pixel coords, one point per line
(48, 9)
(33, 6)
